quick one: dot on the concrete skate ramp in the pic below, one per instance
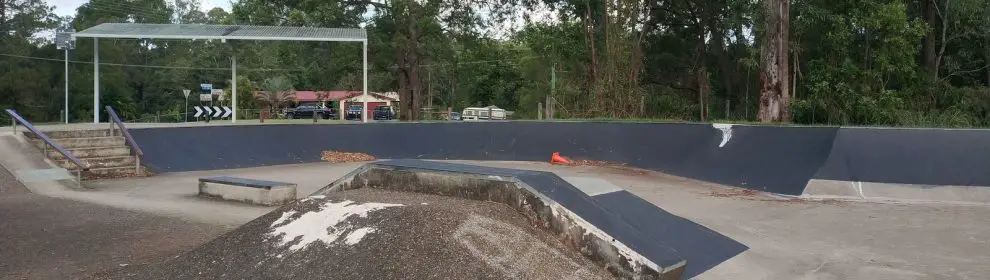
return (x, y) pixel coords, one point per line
(906, 164)
(667, 242)
(910, 156)
(774, 159)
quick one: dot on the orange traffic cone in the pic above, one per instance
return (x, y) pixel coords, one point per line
(556, 158)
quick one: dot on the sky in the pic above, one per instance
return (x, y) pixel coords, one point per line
(68, 7)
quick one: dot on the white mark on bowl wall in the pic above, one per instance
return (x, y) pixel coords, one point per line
(726, 129)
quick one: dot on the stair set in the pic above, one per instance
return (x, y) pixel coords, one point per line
(104, 150)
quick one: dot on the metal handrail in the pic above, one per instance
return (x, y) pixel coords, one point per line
(48, 142)
(115, 120)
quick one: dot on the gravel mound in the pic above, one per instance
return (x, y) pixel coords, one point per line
(374, 234)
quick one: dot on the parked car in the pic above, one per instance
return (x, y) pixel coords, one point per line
(455, 116)
(307, 111)
(383, 113)
(354, 111)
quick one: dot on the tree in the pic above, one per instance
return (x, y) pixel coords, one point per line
(774, 90)
(844, 62)
(277, 91)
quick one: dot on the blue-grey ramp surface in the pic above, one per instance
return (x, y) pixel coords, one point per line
(614, 212)
(910, 156)
(773, 159)
(702, 247)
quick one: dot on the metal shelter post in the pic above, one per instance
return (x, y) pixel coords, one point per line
(66, 86)
(65, 41)
(96, 80)
(364, 115)
(233, 87)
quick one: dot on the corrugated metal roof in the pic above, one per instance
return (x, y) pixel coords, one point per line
(232, 32)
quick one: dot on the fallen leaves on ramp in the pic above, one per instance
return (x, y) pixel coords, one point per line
(588, 162)
(340, 157)
(734, 193)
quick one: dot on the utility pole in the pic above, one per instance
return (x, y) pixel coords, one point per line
(64, 41)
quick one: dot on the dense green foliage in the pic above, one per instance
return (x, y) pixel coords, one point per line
(876, 62)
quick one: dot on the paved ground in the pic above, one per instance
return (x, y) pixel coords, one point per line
(175, 193)
(795, 239)
(50, 238)
(788, 239)
(397, 236)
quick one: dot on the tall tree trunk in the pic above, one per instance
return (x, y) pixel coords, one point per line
(593, 82)
(986, 58)
(725, 66)
(700, 71)
(405, 99)
(414, 86)
(3, 16)
(414, 59)
(944, 15)
(719, 49)
(931, 17)
(703, 87)
(774, 90)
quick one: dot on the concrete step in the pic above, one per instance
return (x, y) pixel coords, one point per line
(101, 162)
(72, 133)
(91, 152)
(112, 172)
(86, 142)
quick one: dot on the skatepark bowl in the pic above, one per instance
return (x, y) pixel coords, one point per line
(478, 200)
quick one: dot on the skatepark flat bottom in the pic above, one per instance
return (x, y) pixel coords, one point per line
(51, 238)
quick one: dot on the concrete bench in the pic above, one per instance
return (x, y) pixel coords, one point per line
(252, 191)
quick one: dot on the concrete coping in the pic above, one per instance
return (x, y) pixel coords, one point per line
(245, 182)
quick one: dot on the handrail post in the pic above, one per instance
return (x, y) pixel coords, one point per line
(49, 142)
(13, 124)
(116, 122)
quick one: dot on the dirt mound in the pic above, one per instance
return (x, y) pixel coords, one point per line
(374, 234)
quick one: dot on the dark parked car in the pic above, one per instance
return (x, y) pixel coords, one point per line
(307, 111)
(384, 113)
(354, 111)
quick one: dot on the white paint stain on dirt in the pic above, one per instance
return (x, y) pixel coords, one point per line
(325, 225)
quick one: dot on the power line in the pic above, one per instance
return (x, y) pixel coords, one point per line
(478, 61)
(152, 66)
(251, 69)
